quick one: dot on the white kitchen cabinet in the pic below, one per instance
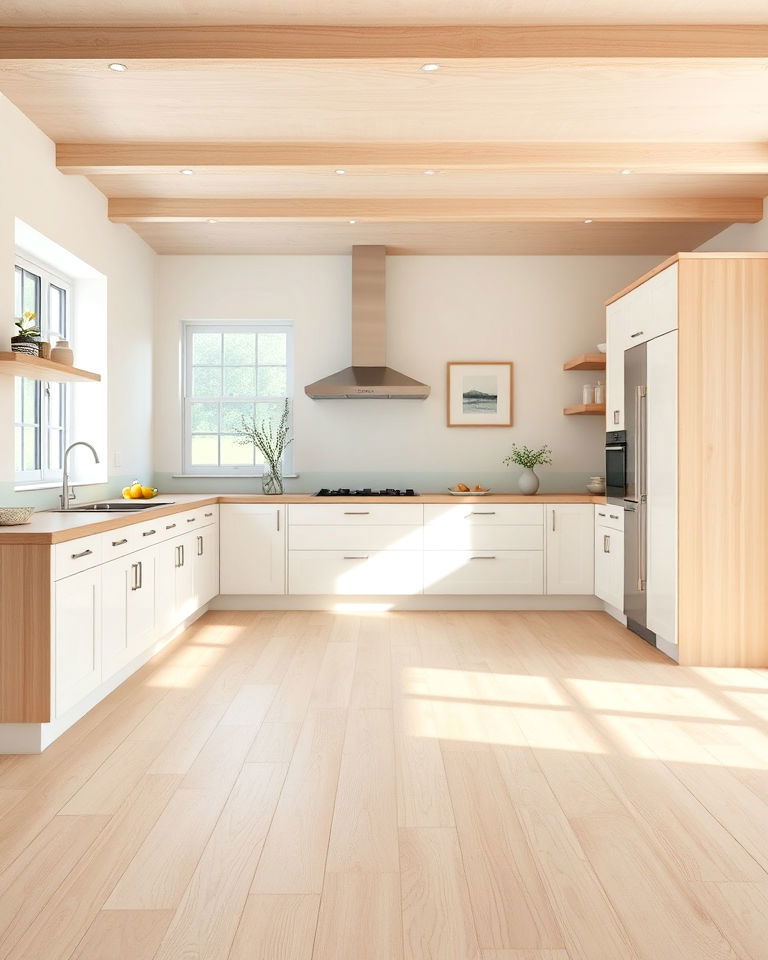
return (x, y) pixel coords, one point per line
(355, 572)
(252, 548)
(661, 401)
(615, 324)
(77, 637)
(206, 564)
(484, 573)
(570, 548)
(647, 312)
(175, 593)
(609, 566)
(128, 600)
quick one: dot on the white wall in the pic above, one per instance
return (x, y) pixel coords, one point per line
(72, 213)
(534, 311)
(741, 237)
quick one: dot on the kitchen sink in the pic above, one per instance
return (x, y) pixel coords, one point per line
(127, 507)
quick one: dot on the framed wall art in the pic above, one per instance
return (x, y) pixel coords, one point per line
(480, 394)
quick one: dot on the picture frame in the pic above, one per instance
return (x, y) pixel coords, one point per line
(479, 394)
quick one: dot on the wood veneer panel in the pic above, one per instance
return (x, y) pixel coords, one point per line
(723, 459)
(25, 634)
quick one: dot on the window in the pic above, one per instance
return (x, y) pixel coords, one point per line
(232, 370)
(41, 417)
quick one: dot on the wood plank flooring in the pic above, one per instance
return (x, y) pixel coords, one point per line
(397, 786)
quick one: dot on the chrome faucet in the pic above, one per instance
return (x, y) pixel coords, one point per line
(66, 496)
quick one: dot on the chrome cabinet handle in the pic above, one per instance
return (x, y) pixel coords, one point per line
(606, 543)
(171, 526)
(199, 546)
(356, 513)
(77, 556)
(141, 574)
(616, 416)
(639, 333)
(119, 543)
(278, 520)
(149, 533)
(134, 577)
(482, 513)
(614, 516)
(554, 520)
(191, 519)
(181, 548)
(208, 514)
(178, 556)
(482, 558)
(356, 558)
(600, 514)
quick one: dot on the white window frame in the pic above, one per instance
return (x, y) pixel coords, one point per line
(48, 278)
(231, 326)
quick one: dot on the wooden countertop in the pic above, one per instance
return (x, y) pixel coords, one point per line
(51, 527)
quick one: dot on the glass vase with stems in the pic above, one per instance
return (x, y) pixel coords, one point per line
(271, 440)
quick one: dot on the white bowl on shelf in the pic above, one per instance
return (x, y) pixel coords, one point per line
(602, 347)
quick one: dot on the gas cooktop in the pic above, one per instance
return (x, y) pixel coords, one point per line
(366, 492)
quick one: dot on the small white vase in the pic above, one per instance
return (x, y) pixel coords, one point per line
(528, 482)
(61, 353)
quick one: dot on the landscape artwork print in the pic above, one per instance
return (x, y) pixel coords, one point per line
(480, 394)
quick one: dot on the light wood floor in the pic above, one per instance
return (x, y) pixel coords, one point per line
(400, 786)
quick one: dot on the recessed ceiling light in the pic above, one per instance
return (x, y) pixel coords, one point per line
(587, 221)
(340, 172)
(430, 173)
(187, 172)
(213, 221)
(117, 67)
(430, 67)
(351, 221)
(626, 171)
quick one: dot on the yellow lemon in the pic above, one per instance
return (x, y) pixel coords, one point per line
(148, 492)
(126, 493)
(135, 491)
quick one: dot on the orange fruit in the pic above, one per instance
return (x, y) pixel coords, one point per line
(148, 492)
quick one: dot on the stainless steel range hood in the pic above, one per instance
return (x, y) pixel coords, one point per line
(369, 378)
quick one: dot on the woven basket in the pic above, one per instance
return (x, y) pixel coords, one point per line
(9, 516)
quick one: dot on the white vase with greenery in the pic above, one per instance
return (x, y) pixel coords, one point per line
(525, 457)
(271, 441)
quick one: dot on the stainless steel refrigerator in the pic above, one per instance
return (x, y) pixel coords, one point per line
(636, 497)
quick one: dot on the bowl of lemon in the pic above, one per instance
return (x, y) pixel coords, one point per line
(137, 491)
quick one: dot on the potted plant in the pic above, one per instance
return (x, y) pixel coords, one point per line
(271, 442)
(527, 458)
(26, 340)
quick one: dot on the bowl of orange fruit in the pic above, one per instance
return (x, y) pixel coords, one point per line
(462, 490)
(137, 491)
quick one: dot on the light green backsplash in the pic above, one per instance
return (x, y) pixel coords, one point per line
(424, 482)
(49, 499)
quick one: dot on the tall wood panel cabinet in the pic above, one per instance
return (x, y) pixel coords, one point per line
(722, 454)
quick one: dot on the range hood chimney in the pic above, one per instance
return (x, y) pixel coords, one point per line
(369, 377)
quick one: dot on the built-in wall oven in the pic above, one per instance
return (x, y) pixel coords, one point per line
(616, 466)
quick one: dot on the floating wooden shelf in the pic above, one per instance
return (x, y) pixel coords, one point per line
(587, 361)
(36, 368)
(585, 410)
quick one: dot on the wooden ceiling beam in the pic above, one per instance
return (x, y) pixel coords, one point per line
(429, 43)
(93, 159)
(433, 210)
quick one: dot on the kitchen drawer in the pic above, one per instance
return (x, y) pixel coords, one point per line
(358, 572)
(483, 536)
(116, 543)
(467, 572)
(76, 555)
(332, 514)
(488, 514)
(609, 515)
(354, 537)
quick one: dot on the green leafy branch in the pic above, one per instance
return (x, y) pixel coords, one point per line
(269, 439)
(526, 457)
(27, 326)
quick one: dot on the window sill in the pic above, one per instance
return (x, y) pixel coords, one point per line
(226, 476)
(54, 485)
